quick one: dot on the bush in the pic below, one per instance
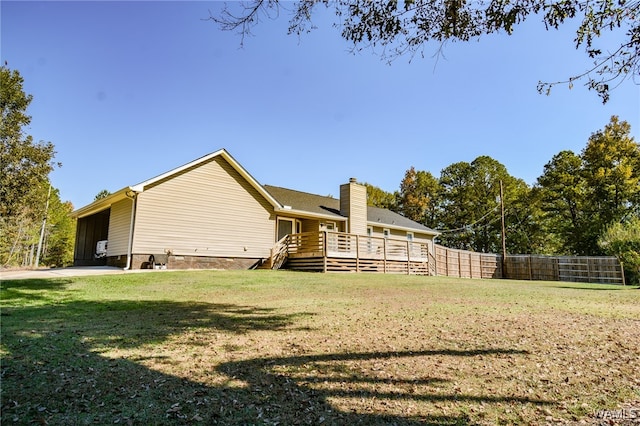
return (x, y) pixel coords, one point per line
(623, 241)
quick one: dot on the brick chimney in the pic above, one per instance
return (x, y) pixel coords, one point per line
(353, 205)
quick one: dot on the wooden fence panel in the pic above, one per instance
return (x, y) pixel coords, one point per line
(466, 264)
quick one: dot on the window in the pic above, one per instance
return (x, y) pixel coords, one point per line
(386, 232)
(287, 226)
(409, 236)
(328, 226)
(332, 239)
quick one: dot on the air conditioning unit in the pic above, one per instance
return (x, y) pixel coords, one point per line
(101, 249)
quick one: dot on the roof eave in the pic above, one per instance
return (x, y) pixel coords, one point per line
(308, 214)
(404, 228)
(102, 204)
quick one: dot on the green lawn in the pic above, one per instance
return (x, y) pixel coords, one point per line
(278, 347)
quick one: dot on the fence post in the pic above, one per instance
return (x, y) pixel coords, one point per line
(435, 260)
(446, 262)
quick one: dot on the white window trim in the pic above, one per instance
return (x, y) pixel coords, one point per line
(296, 224)
(323, 226)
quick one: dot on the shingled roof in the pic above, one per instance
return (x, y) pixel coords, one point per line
(323, 205)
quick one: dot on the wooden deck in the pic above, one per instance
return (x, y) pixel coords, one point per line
(340, 252)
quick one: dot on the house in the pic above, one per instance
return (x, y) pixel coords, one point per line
(211, 213)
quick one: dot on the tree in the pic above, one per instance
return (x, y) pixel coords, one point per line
(563, 196)
(377, 197)
(584, 195)
(612, 172)
(404, 28)
(60, 233)
(418, 198)
(470, 213)
(25, 166)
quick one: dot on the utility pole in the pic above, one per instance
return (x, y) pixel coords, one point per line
(504, 236)
(44, 224)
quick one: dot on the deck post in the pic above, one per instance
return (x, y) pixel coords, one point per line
(324, 251)
(384, 253)
(357, 254)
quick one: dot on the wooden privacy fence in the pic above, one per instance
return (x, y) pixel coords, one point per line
(467, 264)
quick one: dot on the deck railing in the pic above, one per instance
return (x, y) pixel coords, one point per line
(343, 245)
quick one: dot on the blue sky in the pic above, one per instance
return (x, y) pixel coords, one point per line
(129, 90)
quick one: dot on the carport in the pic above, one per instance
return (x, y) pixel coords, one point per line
(89, 231)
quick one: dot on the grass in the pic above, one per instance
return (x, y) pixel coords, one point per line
(265, 347)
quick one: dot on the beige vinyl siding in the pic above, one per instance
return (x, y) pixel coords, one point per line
(119, 225)
(208, 210)
(309, 225)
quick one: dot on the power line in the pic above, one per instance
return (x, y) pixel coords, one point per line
(466, 227)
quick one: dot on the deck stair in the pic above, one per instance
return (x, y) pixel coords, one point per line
(279, 254)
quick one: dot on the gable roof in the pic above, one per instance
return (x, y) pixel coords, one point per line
(129, 191)
(329, 207)
(283, 200)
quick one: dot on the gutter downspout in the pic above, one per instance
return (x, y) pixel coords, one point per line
(133, 195)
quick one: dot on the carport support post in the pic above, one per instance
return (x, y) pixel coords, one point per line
(133, 195)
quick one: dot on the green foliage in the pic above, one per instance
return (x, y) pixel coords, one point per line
(418, 198)
(59, 233)
(562, 194)
(622, 239)
(102, 194)
(471, 207)
(612, 172)
(582, 195)
(377, 197)
(24, 183)
(405, 28)
(25, 164)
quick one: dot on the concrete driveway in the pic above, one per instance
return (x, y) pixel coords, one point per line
(25, 274)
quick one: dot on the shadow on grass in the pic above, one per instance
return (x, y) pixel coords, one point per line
(53, 373)
(289, 391)
(32, 289)
(611, 288)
